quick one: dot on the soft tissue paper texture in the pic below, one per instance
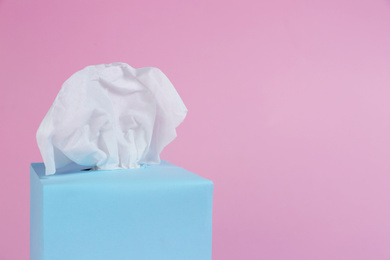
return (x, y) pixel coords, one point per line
(109, 117)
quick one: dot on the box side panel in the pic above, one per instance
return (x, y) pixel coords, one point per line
(36, 216)
(201, 234)
(209, 192)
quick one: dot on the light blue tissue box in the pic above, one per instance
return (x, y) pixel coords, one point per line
(153, 213)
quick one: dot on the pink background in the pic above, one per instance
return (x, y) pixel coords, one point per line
(289, 112)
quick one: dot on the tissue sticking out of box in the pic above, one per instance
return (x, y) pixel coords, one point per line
(110, 117)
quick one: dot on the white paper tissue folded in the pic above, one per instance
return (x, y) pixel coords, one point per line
(109, 117)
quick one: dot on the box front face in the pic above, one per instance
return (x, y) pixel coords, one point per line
(128, 220)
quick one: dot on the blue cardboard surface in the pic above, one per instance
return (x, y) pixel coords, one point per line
(157, 212)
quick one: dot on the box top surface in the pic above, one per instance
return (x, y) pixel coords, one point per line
(164, 172)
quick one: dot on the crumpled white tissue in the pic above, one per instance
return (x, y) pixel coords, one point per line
(110, 116)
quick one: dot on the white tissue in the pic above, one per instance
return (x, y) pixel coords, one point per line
(109, 117)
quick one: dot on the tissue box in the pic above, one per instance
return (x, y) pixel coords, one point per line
(156, 212)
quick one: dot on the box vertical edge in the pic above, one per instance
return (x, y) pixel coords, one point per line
(36, 216)
(211, 184)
